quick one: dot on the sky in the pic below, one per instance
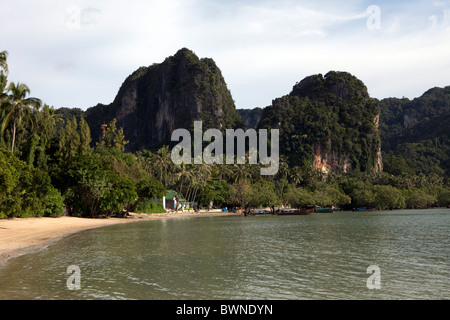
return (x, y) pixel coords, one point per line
(77, 53)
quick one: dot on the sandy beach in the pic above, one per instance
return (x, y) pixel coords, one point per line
(20, 236)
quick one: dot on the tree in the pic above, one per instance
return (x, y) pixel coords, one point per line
(396, 165)
(241, 173)
(388, 197)
(216, 191)
(420, 199)
(328, 196)
(26, 191)
(3, 84)
(263, 195)
(150, 189)
(242, 194)
(69, 141)
(19, 106)
(183, 174)
(444, 198)
(94, 191)
(298, 197)
(296, 175)
(121, 195)
(84, 147)
(224, 170)
(363, 198)
(46, 129)
(200, 175)
(114, 137)
(119, 140)
(162, 160)
(3, 63)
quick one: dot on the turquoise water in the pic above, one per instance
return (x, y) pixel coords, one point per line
(321, 256)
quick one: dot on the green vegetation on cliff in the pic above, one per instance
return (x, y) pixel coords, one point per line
(415, 133)
(155, 100)
(53, 161)
(334, 112)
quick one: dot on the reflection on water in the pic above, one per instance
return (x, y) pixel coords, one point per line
(321, 256)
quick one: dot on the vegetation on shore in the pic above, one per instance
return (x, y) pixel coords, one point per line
(49, 166)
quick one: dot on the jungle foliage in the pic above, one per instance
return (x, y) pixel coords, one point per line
(51, 165)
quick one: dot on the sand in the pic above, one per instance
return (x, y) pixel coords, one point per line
(20, 236)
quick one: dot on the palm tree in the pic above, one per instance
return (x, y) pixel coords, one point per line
(283, 167)
(19, 106)
(3, 58)
(162, 160)
(3, 94)
(183, 174)
(3, 99)
(224, 170)
(201, 174)
(297, 175)
(241, 173)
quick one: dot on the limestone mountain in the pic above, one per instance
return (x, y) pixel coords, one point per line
(154, 101)
(329, 123)
(415, 133)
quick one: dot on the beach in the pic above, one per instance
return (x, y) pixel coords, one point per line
(20, 236)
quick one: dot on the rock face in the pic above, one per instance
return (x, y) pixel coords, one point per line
(328, 161)
(417, 131)
(250, 117)
(154, 101)
(329, 123)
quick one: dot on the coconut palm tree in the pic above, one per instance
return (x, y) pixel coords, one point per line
(3, 63)
(182, 174)
(162, 160)
(241, 173)
(3, 98)
(296, 175)
(202, 173)
(18, 106)
(224, 170)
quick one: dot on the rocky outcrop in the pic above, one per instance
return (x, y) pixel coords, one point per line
(328, 161)
(328, 121)
(154, 101)
(332, 161)
(250, 117)
(379, 162)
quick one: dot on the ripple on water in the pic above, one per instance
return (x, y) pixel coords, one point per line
(322, 256)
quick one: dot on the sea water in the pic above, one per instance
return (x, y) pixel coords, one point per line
(346, 255)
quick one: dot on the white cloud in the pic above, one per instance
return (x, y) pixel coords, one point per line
(262, 47)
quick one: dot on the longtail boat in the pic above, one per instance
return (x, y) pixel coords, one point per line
(295, 212)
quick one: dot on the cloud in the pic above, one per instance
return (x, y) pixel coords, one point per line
(78, 53)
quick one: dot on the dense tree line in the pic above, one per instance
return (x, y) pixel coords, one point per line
(415, 135)
(243, 186)
(49, 166)
(332, 111)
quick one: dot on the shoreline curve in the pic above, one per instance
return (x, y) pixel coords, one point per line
(20, 236)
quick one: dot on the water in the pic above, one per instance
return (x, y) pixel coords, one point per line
(321, 256)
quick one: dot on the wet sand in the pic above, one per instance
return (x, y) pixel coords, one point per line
(20, 236)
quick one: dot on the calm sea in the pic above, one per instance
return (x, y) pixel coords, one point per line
(321, 256)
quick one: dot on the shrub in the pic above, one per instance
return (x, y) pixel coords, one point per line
(420, 199)
(148, 206)
(26, 191)
(444, 198)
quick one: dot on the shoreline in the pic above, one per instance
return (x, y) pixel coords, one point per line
(20, 236)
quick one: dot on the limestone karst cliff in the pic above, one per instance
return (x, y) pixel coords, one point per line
(154, 101)
(329, 123)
